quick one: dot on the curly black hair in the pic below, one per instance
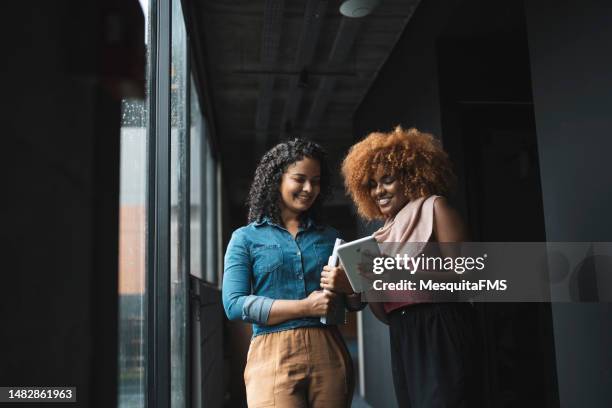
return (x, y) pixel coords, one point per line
(264, 195)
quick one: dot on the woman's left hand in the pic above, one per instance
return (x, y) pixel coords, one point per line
(334, 278)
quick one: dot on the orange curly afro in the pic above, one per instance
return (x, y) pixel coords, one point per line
(415, 158)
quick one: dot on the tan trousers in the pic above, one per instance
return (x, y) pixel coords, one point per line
(303, 367)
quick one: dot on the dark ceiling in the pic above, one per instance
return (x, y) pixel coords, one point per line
(278, 69)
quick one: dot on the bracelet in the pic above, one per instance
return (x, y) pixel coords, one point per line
(355, 309)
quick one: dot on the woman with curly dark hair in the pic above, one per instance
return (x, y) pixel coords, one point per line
(400, 177)
(272, 279)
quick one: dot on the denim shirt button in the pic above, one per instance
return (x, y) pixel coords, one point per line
(300, 277)
(298, 253)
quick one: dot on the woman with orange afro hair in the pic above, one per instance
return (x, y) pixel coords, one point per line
(401, 177)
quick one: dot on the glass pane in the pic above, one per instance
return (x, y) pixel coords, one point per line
(196, 184)
(211, 216)
(179, 206)
(132, 246)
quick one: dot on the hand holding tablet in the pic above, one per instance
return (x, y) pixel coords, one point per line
(353, 255)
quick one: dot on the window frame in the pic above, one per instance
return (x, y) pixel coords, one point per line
(158, 212)
(158, 285)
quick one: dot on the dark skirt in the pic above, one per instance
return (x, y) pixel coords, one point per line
(433, 354)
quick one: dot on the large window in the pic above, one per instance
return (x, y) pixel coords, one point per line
(132, 261)
(168, 217)
(179, 233)
(196, 184)
(132, 244)
(211, 216)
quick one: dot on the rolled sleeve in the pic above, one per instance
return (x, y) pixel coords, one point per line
(238, 302)
(256, 309)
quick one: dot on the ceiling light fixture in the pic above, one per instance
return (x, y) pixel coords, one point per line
(358, 8)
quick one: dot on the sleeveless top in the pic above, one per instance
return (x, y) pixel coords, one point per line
(413, 223)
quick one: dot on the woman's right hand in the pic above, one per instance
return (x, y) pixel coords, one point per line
(319, 303)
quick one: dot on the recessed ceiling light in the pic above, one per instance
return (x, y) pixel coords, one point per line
(358, 8)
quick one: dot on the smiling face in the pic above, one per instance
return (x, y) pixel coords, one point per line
(387, 192)
(300, 185)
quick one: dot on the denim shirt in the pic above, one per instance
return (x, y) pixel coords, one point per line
(263, 262)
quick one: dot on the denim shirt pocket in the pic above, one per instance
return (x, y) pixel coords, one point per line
(267, 258)
(324, 251)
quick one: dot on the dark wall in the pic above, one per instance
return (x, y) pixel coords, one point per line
(60, 159)
(569, 46)
(405, 91)
(571, 86)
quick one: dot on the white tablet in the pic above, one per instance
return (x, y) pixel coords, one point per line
(353, 253)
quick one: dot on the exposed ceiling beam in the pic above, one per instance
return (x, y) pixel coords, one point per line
(316, 68)
(345, 38)
(248, 8)
(270, 44)
(240, 133)
(314, 14)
